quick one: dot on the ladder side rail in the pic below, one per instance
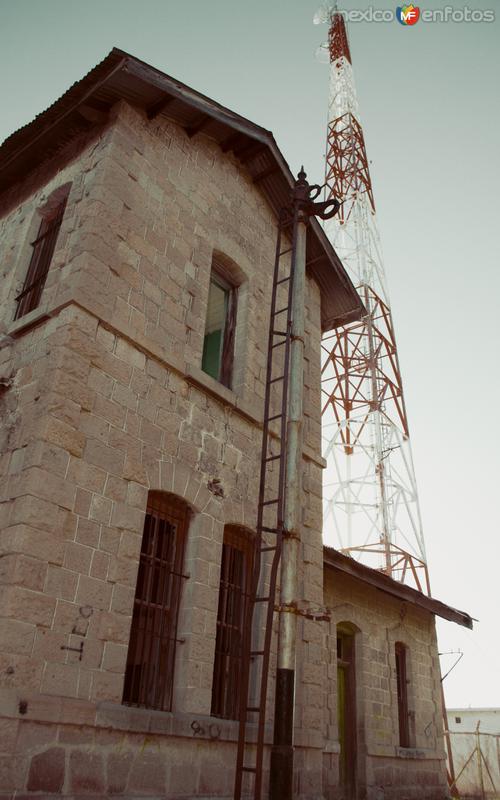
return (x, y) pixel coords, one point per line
(280, 518)
(247, 642)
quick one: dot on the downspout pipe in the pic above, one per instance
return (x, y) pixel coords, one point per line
(281, 773)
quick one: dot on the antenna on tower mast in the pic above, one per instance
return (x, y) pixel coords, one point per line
(371, 509)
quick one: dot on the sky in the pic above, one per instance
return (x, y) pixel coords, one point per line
(429, 106)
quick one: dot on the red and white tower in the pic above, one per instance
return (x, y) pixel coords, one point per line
(371, 503)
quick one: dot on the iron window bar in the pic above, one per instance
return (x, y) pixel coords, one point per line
(41, 257)
(234, 597)
(151, 656)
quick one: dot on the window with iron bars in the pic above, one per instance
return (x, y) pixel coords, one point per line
(43, 250)
(234, 596)
(149, 674)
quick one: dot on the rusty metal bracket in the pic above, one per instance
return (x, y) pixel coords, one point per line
(304, 196)
(291, 535)
(307, 613)
(325, 209)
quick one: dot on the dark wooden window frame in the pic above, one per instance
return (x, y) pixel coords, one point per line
(43, 250)
(149, 674)
(346, 665)
(220, 276)
(234, 595)
(400, 651)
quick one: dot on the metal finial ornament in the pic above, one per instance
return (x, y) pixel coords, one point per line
(305, 195)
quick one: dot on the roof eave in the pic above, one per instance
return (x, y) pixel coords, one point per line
(340, 302)
(335, 560)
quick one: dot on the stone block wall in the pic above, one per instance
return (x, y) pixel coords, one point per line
(102, 399)
(385, 771)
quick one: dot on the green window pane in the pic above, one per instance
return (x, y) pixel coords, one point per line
(211, 354)
(214, 329)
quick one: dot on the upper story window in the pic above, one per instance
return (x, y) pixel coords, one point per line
(43, 250)
(218, 344)
(234, 596)
(149, 673)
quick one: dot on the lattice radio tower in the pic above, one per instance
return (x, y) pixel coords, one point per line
(371, 505)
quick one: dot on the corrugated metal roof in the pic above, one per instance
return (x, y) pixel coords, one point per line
(120, 76)
(346, 564)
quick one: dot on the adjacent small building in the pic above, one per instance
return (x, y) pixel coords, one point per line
(486, 720)
(385, 709)
(138, 228)
(474, 735)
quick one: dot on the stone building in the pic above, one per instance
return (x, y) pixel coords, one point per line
(138, 229)
(383, 704)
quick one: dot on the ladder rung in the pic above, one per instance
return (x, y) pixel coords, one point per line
(270, 535)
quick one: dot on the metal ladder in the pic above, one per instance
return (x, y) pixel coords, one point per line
(270, 515)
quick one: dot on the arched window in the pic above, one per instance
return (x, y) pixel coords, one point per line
(151, 654)
(234, 595)
(346, 707)
(43, 250)
(220, 326)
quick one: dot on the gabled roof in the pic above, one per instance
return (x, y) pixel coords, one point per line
(121, 76)
(335, 560)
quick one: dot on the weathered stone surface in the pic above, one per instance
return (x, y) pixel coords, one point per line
(118, 769)
(16, 636)
(147, 774)
(86, 773)
(47, 771)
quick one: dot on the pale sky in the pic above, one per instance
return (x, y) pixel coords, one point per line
(429, 107)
